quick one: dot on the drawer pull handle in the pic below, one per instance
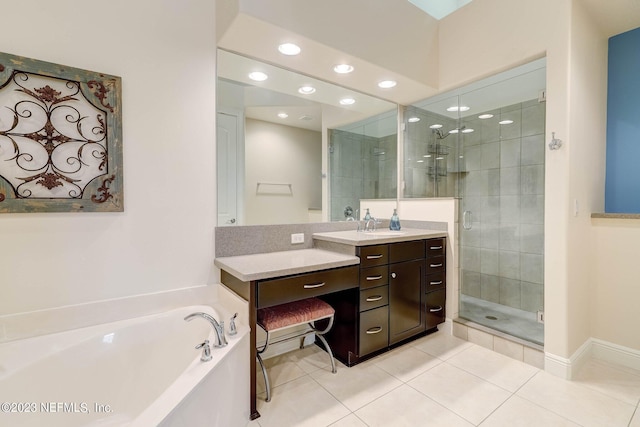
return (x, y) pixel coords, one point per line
(374, 298)
(316, 285)
(439, 282)
(374, 277)
(435, 309)
(435, 265)
(374, 330)
(435, 248)
(374, 256)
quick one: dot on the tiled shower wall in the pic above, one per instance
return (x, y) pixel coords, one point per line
(420, 177)
(362, 167)
(502, 186)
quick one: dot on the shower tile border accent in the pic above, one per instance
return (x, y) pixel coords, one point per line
(515, 348)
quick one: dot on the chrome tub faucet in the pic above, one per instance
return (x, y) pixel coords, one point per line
(218, 328)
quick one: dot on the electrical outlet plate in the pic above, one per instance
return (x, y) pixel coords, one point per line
(297, 238)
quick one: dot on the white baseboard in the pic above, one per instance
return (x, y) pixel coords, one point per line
(615, 353)
(592, 348)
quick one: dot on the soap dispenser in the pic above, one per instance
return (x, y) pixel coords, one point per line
(367, 216)
(394, 223)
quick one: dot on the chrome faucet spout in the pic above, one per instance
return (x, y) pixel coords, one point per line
(217, 327)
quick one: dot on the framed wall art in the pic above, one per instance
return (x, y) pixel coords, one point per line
(60, 138)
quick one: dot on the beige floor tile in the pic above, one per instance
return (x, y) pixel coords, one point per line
(281, 369)
(518, 412)
(310, 358)
(496, 368)
(635, 422)
(349, 421)
(576, 402)
(406, 363)
(356, 386)
(405, 406)
(440, 345)
(617, 382)
(461, 392)
(301, 402)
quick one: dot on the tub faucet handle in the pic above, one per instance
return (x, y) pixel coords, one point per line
(206, 351)
(232, 325)
(222, 340)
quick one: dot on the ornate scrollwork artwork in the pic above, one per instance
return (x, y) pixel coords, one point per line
(60, 138)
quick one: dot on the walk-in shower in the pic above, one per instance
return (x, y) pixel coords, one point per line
(484, 144)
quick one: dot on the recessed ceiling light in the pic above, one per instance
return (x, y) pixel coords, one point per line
(420, 161)
(283, 115)
(468, 130)
(289, 49)
(436, 126)
(413, 119)
(458, 108)
(347, 101)
(343, 68)
(485, 116)
(307, 90)
(453, 131)
(426, 156)
(387, 84)
(505, 122)
(258, 76)
(439, 158)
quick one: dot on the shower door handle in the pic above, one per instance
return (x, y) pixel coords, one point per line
(466, 220)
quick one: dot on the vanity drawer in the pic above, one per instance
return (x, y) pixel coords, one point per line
(435, 265)
(435, 282)
(374, 330)
(294, 288)
(371, 256)
(374, 297)
(435, 308)
(406, 251)
(374, 276)
(435, 247)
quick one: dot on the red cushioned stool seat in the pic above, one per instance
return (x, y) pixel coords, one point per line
(292, 314)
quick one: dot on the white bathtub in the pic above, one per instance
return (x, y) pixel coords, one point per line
(140, 372)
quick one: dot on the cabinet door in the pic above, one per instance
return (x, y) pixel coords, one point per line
(406, 314)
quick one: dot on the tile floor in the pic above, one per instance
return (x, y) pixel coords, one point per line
(441, 380)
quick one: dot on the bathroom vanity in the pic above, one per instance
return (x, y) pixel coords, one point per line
(386, 287)
(401, 290)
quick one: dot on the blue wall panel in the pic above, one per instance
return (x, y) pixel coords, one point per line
(622, 186)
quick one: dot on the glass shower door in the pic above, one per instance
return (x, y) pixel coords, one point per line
(502, 206)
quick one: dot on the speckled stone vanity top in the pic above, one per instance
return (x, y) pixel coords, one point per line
(277, 264)
(365, 238)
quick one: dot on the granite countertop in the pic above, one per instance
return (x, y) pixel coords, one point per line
(363, 238)
(616, 215)
(277, 264)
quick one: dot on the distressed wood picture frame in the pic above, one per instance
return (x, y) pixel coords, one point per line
(60, 138)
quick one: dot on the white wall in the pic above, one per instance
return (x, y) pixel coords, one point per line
(165, 53)
(586, 145)
(283, 155)
(616, 289)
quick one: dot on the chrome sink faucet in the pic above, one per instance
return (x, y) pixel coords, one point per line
(371, 224)
(218, 328)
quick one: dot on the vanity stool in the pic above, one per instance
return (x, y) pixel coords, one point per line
(291, 314)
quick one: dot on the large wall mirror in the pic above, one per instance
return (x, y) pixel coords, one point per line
(294, 149)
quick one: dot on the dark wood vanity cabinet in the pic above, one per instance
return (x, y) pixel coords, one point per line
(435, 282)
(402, 293)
